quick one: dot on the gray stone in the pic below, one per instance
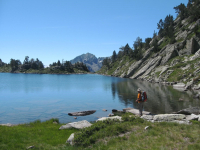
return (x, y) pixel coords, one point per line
(147, 117)
(184, 22)
(67, 126)
(8, 125)
(192, 117)
(70, 139)
(125, 109)
(82, 113)
(189, 111)
(136, 112)
(109, 115)
(168, 53)
(77, 125)
(30, 147)
(55, 122)
(177, 20)
(181, 121)
(197, 95)
(164, 68)
(188, 85)
(195, 56)
(182, 35)
(193, 45)
(152, 66)
(152, 63)
(168, 117)
(138, 64)
(192, 26)
(198, 21)
(104, 110)
(111, 118)
(179, 85)
(159, 42)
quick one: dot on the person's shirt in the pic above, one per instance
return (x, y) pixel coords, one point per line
(139, 97)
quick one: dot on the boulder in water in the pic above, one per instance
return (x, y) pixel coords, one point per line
(82, 113)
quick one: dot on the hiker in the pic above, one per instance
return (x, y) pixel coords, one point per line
(139, 101)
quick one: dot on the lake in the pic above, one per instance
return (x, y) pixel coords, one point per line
(27, 97)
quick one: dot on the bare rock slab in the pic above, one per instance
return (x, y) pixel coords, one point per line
(168, 117)
(112, 118)
(136, 112)
(70, 139)
(192, 117)
(189, 111)
(77, 125)
(147, 117)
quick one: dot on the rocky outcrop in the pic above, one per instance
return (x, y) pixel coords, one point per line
(132, 69)
(77, 125)
(152, 63)
(189, 111)
(160, 42)
(182, 35)
(168, 56)
(169, 53)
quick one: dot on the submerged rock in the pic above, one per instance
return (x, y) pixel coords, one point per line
(136, 112)
(82, 113)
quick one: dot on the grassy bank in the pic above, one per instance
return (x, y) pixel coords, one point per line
(129, 134)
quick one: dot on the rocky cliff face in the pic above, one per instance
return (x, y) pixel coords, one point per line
(92, 62)
(178, 62)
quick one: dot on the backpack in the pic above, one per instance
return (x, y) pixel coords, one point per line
(144, 96)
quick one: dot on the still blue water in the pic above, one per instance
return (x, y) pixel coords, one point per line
(28, 97)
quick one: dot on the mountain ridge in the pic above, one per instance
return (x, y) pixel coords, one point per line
(92, 62)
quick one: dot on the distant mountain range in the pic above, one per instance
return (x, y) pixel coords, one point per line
(92, 62)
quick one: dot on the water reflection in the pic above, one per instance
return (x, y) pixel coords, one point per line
(161, 98)
(27, 97)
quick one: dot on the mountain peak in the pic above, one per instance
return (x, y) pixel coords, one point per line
(92, 62)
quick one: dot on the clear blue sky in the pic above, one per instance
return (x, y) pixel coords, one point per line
(63, 29)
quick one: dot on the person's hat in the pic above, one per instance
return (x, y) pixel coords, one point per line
(139, 90)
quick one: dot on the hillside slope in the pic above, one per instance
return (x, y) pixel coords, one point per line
(173, 61)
